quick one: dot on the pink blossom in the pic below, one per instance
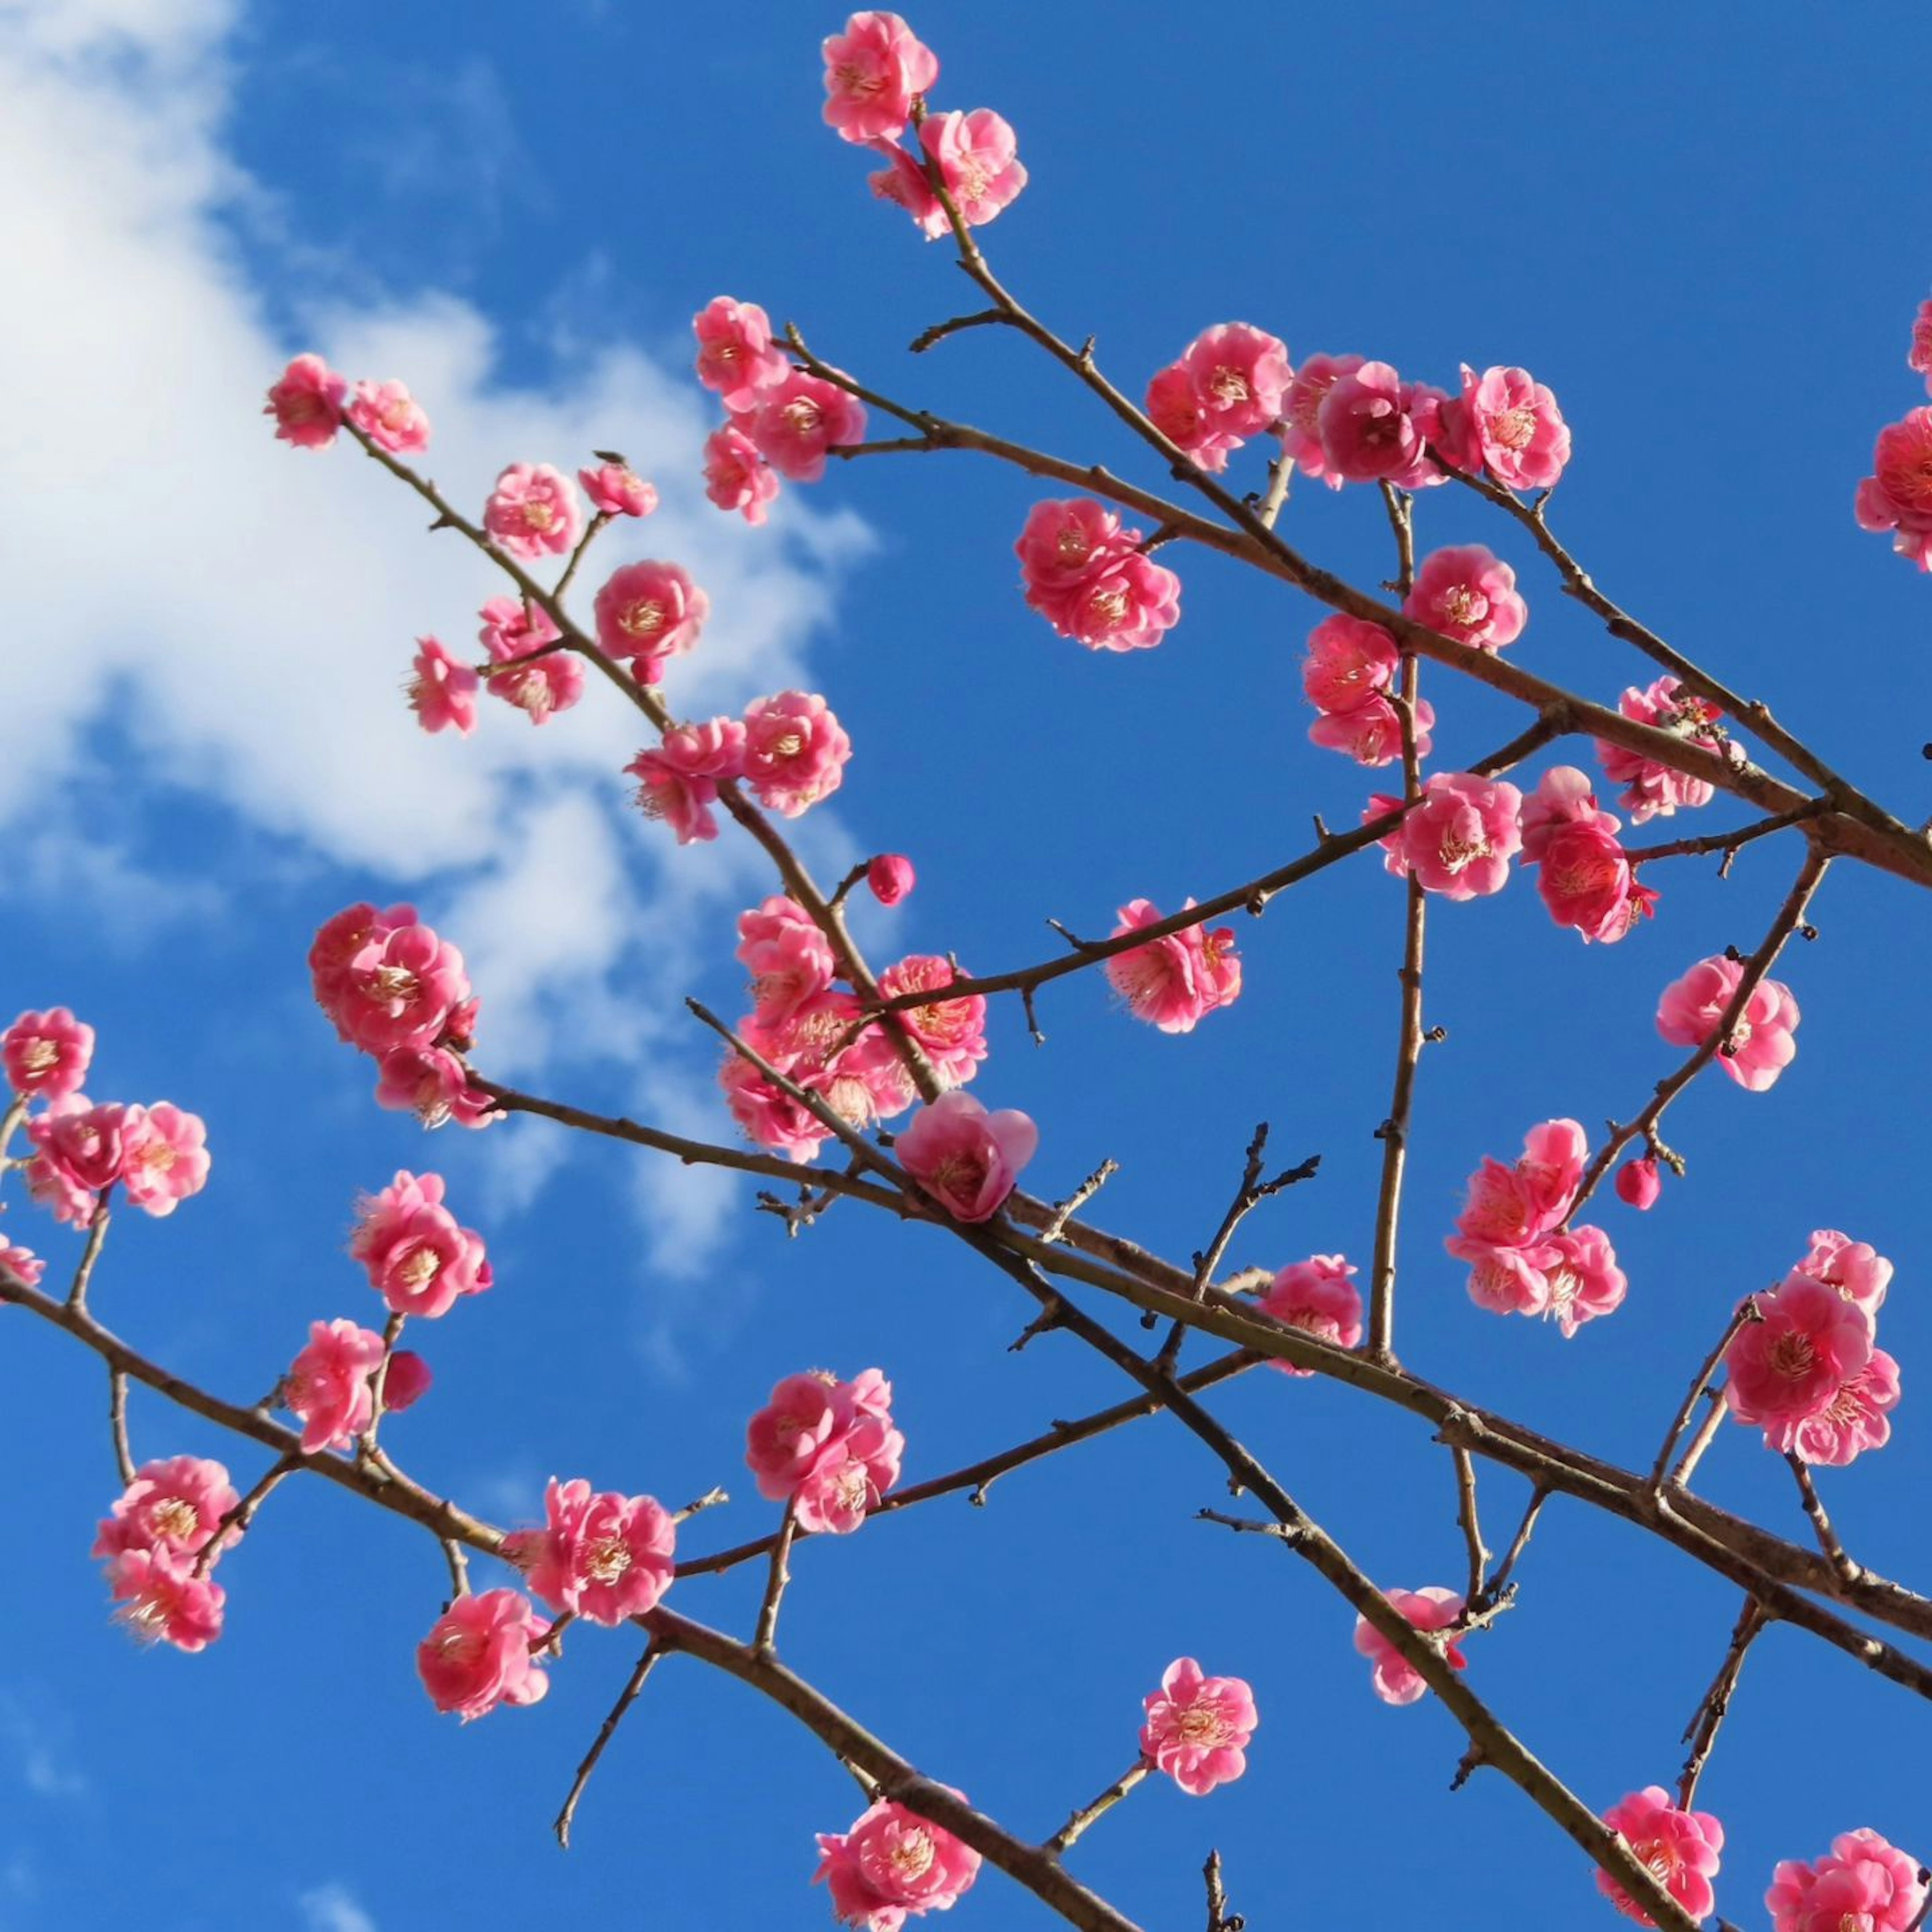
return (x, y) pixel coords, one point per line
(83, 1144)
(771, 1119)
(1175, 407)
(433, 1084)
(678, 781)
(400, 987)
(1639, 1183)
(828, 1446)
(616, 490)
(805, 1419)
(1898, 496)
(533, 512)
(164, 1157)
(1317, 1297)
(1349, 661)
(443, 692)
(1760, 1046)
(1517, 1204)
(306, 402)
(1300, 413)
(22, 1265)
(417, 1257)
(1241, 375)
(1459, 840)
(890, 878)
(605, 1556)
(893, 1865)
(391, 418)
(540, 688)
(789, 959)
(1508, 423)
(479, 1654)
(174, 1508)
(1466, 593)
(1174, 982)
(851, 1478)
(1064, 544)
(1371, 733)
(1372, 427)
(1129, 604)
(1855, 1419)
(46, 1055)
(1583, 1281)
(1396, 1680)
(1584, 874)
(1919, 357)
(407, 1382)
(1198, 1728)
(795, 751)
(976, 158)
(163, 1601)
(736, 357)
(966, 1159)
(1855, 1269)
(50, 1181)
(737, 477)
(1792, 1362)
(796, 422)
(1861, 1884)
(338, 942)
(512, 628)
(1506, 1277)
(649, 612)
(873, 71)
(1650, 790)
(327, 1384)
(1679, 1849)
(952, 1032)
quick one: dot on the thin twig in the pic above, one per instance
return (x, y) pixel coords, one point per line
(1729, 843)
(653, 1652)
(764, 1642)
(458, 1560)
(1821, 1523)
(1701, 1733)
(1746, 1312)
(710, 1499)
(97, 1233)
(1707, 1434)
(117, 1423)
(1097, 1807)
(1065, 1211)
(234, 1522)
(1472, 1533)
(1219, 1919)
(1492, 1591)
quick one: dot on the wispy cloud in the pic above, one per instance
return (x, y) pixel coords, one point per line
(39, 1746)
(334, 1908)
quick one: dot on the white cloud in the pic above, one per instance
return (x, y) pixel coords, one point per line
(43, 1768)
(243, 613)
(333, 1908)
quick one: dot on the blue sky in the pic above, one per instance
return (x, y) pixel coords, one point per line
(1705, 227)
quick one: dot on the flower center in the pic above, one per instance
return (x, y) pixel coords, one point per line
(1792, 1355)
(642, 618)
(912, 1856)
(1073, 545)
(607, 1560)
(1465, 606)
(1512, 428)
(803, 414)
(1460, 848)
(177, 1518)
(1202, 1726)
(1230, 385)
(1109, 607)
(39, 1056)
(393, 982)
(421, 1267)
(538, 515)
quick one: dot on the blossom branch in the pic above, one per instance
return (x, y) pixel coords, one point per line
(1096, 1808)
(653, 1654)
(1701, 1733)
(117, 1425)
(1821, 1523)
(1729, 843)
(1471, 1526)
(1746, 1311)
(97, 1233)
(775, 1585)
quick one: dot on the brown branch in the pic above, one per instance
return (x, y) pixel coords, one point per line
(117, 1425)
(1492, 1591)
(1821, 1523)
(1065, 1211)
(97, 1233)
(1729, 843)
(1096, 1808)
(653, 1653)
(1707, 1434)
(1219, 1919)
(1746, 1312)
(766, 1639)
(1701, 1733)
(1471, 1528)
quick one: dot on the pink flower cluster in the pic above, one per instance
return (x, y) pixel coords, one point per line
(826, 1447)
(534, 512)
(647, 614)
(1807, 1371)
(1506, 422)
(1523, 1260)
(331, 1384)
(1584, 874)
(600, 1555)
(157, 1155)
(1396, 1680)
(1898, 495)
(1760, 1045)
(163, 1535)
(892, 1865)
(1652, 790)
(309, 403)
(1198, 1728)
(1229, 384)
(417, 1257)
(790, 749)
(1349, 675)
(966, 1158)
(1175, 982)
(1468, 593)
(616, 490)
(481, 1652)
(1458, 839)
(1091, 580)
(1679, 1849)
(538, 681)
(1862, 1884)
(394, 989)
(807, 1026)
(1318, 1296)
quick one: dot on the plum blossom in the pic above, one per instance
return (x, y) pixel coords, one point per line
(890, 878)
(1319, 1296)
(1301, 414)
(432, 1084)
(164, 1157)
(22, 1265)
(1229, 384)
(1198, 1728)
(828, 1447)
(163, 1601)
(1130, 604)
(479, 1654)
(616, 490)
(678, 781)
(601, 1556)
(795, 751)
(952, 1032)
(1374, 427)
(1679, 1849)
(327, 1384)
(533, 512)
(1898, 496)
(1855, 1419)
(400, 989)
(1861, 1883)
(1506, 422)
(1175, 981)
(407, 1381)
(736, 356)
(1396, 1680)
(1468, 593)
(1175, 408)
(1760, 1046)
(1518, 1203)
(84, 1145)
(1371, 733)
(1639, 1183)
(1583, 875)
(790, 960)
(1855, 1269)
(648, 613)
(1650, 790)
(391, 418)
(873, 71)
(173, 1508)
(1582, 1278)
(306, 402)
(1063, 546)
(46, 1055)
(1459, 839)
(417, 1257)
(976, 158)
(1793, 1362)
(442, 690)
(795, 422)
(737, 477)
(893, 1865)
(769, 1118)
(966, 1159)
(1349, 675)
